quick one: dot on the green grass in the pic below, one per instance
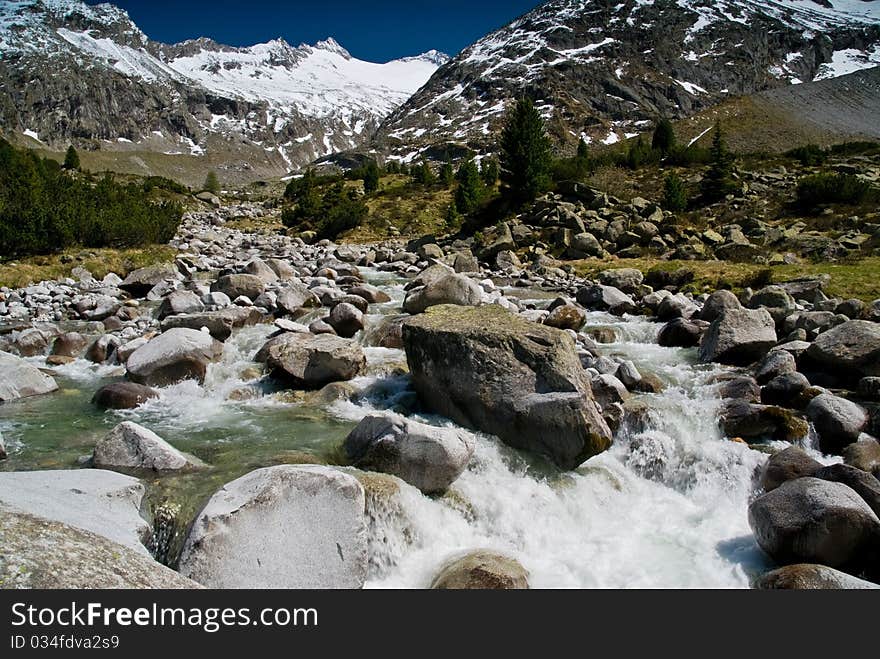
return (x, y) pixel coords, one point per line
(855, 279)
(100, 262)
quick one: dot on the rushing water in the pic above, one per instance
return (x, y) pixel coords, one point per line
(666, 507)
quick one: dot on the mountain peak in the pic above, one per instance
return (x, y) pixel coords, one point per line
(331, 45)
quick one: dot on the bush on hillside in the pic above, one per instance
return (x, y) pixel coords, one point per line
(43, 209)
(821, 189)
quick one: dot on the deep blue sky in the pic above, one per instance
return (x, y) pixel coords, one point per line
(373, 30)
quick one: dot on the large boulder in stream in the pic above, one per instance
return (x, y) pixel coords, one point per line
(482, 570)
(838, 421)
(289, 527)
(130, 446)
(490, 370)
(739, 337)
(805, 576)
(809, 520)
(173, 356)
(450, 288)
(140, 282)
(427, 457)
(20, 379)
(313, 361)
(123, 396)
(851, 349)
(235, 286)
(102, 502)
(46, 554)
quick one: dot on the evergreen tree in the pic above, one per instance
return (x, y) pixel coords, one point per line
(453, 218)
(304, 191)
(371, 177)
(212, 183)
(489, 171)
(71, 159)
(639, 154)
(664, 137)
(423, 174)
(471, 190)
(447, 175)
(674, 194)
(525, 152)
(583, 151)
(718, 182)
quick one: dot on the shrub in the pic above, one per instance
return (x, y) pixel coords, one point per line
(675, 197)
(212, 183)
(808, 155)
(820, 189)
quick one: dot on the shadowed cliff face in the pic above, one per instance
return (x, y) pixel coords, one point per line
(605, 69)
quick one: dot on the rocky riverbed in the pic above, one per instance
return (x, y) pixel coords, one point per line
(267, 413)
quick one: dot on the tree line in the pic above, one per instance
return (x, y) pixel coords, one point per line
(46, 207)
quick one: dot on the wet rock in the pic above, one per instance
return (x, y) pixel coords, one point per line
(838, 421)
(261, 270)
(861, 482)
(604, 335)
(809, 520)
(19, 379)
(46, 554)
(717, 304)
(566, 316)
(681, 333)
(295, 297)
(176, 355)
(311, 362)
(482, 570)
(235, 286)
(3, 453)
(427, 457)
(321, 326)
(786, 390)
(864, 454)
(288, 526)
(70, 344)
(370, 293)
(870, 388)
(449, 289)
(739, 337)
(754, 422)
(487, 369)
(123, 396)
(219, 323)
(140, 282)
(131, 446)
(606, 298)
(851, 348)
(180, 302)
(627, 280)
(102, 502)
(787, 465)
(346, 319)
(102, 349)
(742, 389)
(804, 576)
(31, 342)
(776, 363)
(675, 306)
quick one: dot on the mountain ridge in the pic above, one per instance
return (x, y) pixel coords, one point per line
(72, 72)
(605, 70)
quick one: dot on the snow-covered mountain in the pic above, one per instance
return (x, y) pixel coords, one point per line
(606, 69)
(72, 71)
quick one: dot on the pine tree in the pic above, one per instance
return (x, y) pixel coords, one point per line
(489, 171)
(674, 194)
(447, 175)
(471, 190)
(212, 183)
(525, 152)
(583, 151)
(371, 177)
(664, 137)
(423, 174)
(718, 182)
(71, 159)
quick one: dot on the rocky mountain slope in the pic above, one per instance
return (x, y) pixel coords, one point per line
(604, 70)
(87, 74)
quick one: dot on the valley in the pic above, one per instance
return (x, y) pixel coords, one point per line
(592, 304)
